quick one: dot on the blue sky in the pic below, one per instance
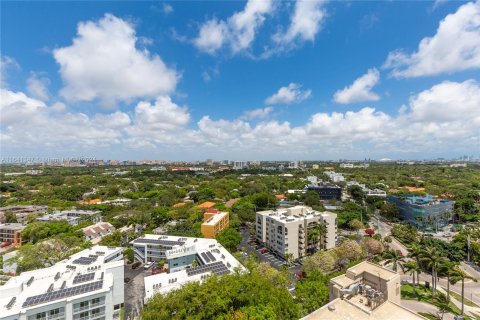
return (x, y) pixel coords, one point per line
(240, 80)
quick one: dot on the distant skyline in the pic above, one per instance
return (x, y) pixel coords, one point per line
(243, 80)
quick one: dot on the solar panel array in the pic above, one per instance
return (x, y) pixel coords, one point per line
(83, 277)
(217, 268)
(85, 260)
(162, 242)
(62, 293)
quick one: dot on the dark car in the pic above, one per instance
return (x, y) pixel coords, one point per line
(136, 265)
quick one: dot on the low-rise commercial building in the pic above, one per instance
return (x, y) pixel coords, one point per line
(326, 191)
(73, 217)
(365, 292)
(185, 259)
(214, 223)
(11, 233)
(22, 211)
(88, 285)
(285, 231)
(423, 212)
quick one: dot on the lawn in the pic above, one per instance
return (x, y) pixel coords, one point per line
(428, 316)
(424, 295)
(458, 297)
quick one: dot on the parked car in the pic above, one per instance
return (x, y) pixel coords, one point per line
(264, 250)
(157, 270)
(5, 244)
(148, 265)
(136, 265)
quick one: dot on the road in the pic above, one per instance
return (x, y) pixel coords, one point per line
(384, 230)
(418, 306)
(472, 289)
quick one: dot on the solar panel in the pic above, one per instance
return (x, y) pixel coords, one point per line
(29, 282)
(11, 303)
(210, 255)
(217, 268)
(83, 277)
(85, 260)
(62, 293)
(205, 257)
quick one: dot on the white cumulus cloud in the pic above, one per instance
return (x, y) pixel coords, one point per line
(292, 93)
(37, 86)
(237, 32)
(306, 22)
(257, 113)
(104, 63)
(360, 90)
(454, 47)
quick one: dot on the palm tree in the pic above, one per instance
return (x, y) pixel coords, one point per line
(447, 268)
(395, 259)
(313, 236)
(412, 267)
(194, 263)
(432, 259)
(415, 253)
(322, 231)
(442, 302)
(460, 275)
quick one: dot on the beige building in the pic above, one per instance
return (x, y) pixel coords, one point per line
(365, 292)
(286, 231)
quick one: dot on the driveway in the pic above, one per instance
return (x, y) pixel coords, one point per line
(134, 291)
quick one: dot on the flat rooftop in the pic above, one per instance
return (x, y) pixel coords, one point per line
(296, 213)
(213, 259)
(215, 218)
(79, 275)
(12, 226)
(339, 309)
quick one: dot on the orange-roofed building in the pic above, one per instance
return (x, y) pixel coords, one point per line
(93, 201)
(280, 196)
(214, 223)
(179, 205)
(206, 205)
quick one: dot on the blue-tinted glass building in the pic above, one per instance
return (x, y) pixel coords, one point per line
(423, 211)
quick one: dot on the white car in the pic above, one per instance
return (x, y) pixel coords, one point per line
(148, 265)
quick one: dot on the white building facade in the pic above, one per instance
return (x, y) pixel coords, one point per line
(285, 231)
(87, 286)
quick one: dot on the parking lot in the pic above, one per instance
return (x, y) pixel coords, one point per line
(248, 242)
(134, 290)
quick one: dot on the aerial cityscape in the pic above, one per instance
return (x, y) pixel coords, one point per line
(240, 160)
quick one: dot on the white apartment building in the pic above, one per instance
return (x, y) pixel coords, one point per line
(87, 286)
(368, 192)
(286, 230)
(186, 260)
(335, 176)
